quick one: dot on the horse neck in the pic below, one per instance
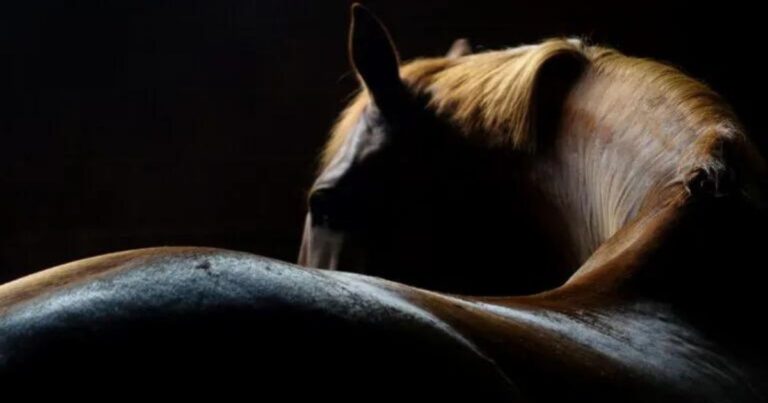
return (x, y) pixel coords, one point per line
(623, 148)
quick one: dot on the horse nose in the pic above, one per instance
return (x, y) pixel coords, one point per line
(303, 259)
(320, 246)
(318, 256)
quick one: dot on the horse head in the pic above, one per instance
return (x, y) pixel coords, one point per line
(519, 170)
(411, 191)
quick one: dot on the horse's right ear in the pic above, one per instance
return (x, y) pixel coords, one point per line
(461, 47)
(374, 57)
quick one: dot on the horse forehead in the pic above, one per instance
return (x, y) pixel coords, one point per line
(366, 139)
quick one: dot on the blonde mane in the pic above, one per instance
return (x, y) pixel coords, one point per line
(485, 94)
(632, 133)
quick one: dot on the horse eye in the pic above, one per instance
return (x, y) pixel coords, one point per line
(319, 207)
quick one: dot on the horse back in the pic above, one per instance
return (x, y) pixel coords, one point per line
(163, 319)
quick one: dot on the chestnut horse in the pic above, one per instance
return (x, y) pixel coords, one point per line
(615, 193)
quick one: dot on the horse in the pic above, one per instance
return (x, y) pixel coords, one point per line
(556, 150)
(593, 182)
(627, 187)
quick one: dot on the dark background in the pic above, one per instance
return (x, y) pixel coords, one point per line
(132, 123)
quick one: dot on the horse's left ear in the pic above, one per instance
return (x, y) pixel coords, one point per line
(374, 57)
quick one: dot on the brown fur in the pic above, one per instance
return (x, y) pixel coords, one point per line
(632, 135)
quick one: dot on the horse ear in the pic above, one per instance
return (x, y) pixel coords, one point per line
(374, 57)
(461, 47)
(556, 75)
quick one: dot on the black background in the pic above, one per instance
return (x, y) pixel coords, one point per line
(131, 123)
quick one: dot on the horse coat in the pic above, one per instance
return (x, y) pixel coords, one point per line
(160, 320)
(663, 305)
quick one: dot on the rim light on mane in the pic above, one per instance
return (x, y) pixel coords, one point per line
(632, 135)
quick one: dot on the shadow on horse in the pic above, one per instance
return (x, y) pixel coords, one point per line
(540, 223)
